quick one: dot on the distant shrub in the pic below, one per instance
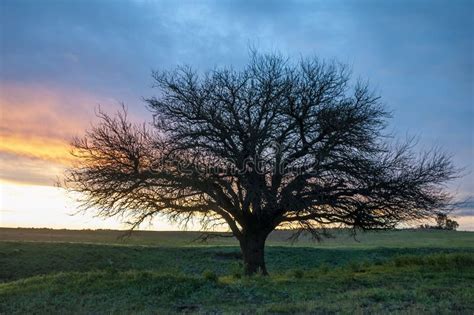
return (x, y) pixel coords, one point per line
(355, 266)
(210, 276)
(144, 275)
(237, 270)
(442, 261)
(463, 260)
(407, 260)
(287, 308)
(297, 273)
(442, 223)
(237, 275)
(111, 270)
(324, 268)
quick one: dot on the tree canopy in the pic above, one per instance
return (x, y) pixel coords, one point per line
(277, 143)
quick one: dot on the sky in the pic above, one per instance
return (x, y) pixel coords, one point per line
(59, 60)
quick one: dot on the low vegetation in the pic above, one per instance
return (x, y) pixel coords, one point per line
(339, 276)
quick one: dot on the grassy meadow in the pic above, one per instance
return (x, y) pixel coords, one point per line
(406, 271)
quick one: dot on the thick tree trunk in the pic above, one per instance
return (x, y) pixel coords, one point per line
(253, 252)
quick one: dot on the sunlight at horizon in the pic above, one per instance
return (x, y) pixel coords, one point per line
(55, 72)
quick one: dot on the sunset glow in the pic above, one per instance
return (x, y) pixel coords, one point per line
(54, 73)
(40, 148)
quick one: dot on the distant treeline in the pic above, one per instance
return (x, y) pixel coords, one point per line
(442, 223)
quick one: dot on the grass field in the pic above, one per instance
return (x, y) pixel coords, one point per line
(60, 271)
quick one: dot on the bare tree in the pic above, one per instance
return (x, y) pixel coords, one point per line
(275, 144)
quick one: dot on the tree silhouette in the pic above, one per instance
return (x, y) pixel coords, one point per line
(444, 223)
(276, 144)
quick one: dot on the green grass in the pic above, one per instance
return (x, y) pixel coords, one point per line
(343, 239)
(433, 272)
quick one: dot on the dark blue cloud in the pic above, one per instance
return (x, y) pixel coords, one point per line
(418, 54)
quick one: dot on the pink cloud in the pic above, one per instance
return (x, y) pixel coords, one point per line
(36, 125)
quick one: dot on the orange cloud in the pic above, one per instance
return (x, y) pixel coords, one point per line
(26, 170)
(35, 111)
(36, 125)
(40, 148)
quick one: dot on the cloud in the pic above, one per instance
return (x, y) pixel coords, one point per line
(33, 110)
(36, 148)
(465, 207)
(60, 59)
(28, 170)
(464, 212)
(37, 123)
